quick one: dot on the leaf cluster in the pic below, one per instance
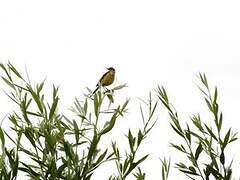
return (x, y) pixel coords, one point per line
(201, 139)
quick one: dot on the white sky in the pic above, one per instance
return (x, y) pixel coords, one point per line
(148, 42)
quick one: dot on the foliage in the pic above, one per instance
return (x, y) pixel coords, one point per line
(45, 144)
(49, 145)
(202, 140)
(127, 164)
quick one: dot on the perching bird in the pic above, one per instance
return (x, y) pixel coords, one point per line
(107, 79)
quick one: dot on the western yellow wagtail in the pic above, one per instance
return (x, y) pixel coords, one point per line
(107, 79)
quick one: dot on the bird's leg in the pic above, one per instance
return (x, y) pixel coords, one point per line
(106, 90)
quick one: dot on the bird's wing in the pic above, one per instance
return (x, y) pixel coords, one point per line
(103, 76)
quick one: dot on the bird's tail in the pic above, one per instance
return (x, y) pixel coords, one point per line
(95, 90)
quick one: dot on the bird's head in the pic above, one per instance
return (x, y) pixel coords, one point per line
(111, 69)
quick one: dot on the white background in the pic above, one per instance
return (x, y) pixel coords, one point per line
(147, 42)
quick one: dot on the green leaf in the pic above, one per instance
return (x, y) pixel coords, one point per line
(210, 132)
(209, 105)
(30, 136)
(93, 145)
(68, 150)
(40, 87)
(29, 170)
(233, 138)
(226, 139)
(189, 172)
(10, 157)
(36, 99)
(109, 125)
(180, 148)
(165, 104)
(8, 82)
(197, 122)
(222, 158)
(229, 174)
(2, 137)
(61, 169)
(131, 140)
(126, 165)
(188, 134)
(96, 105)
(133, 165)
(15, 166)
(142, 159)
(76, 131)
(51, 141)
(192, 169)
(215, 95)
(101, 157)
(177, 131)
(124, 105)
(120, 87)
(214, 172)
(7, 73)
(198, 151)
(14, 70)
(85, 107)
(219, 126)
(140, 137)
(53, 108)
(204, 79)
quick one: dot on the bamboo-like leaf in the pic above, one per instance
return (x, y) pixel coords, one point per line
(14, 70)
(29, 170)
(53, 108)
(222, 157)
(140, 137)
(189, 172)
(2, 137)
(85, 107)
(209, 105)
(8, 82)
(219, 126)
(120, 87)
(96, 105)
(60, 170)
(131, 140)
(188, 134)
(109, 125)
(165, 104)
(15, 166)
(76, 131)
(101, 157)
(125, 165)
(133, 165)
(124, 105)
(68, 150)
(226, 139)
(210, 132)
(192, 169)
(6, 71)
(30, 136)
(229, 174)
(93, 145)
(177, 131)
(36, 99)
(51, 141)
(215, 96)
(180, 148)
(198, 151)
(214, 172)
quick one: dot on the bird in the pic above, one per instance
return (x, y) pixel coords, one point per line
(106, 79)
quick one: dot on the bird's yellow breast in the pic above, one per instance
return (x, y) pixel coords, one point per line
(108, 79)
